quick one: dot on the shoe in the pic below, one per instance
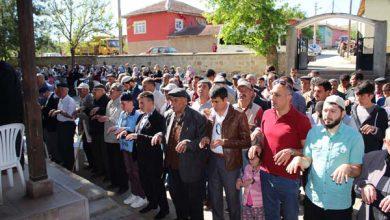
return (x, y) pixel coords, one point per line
(122, 190)
(161, 214)
(147, 209)
(129, 199)
(138, 203)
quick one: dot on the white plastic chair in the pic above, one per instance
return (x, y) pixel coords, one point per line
(8, 158)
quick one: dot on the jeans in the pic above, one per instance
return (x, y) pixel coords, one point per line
(219, 179)
(279, 191)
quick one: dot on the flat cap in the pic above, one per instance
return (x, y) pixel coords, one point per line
(126, 79)
(219, 79)
(63, 85)
(169, 87)
(305, 77)
(99, 86)
(178, 92)
(380, 80)
(83, 86)
(244, 82)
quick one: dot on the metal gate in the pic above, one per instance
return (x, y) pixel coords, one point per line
(364, 52)
(303, 58)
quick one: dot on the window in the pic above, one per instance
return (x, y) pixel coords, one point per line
(139, 27)
(179, 24)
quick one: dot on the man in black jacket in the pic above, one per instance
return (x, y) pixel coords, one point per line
(49, 125)
(370, 118)
(150, 156)
(184, 158)
(97, 131)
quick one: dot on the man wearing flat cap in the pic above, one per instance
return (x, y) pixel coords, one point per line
(66, 125)
(97, 129)
(184, 159)
(379, 97)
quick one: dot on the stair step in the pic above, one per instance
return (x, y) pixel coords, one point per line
(100, 206)
(91, 192)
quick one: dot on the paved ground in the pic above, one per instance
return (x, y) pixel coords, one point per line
(330, 59)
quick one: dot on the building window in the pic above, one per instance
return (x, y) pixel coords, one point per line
(179, 24)
(139, 27)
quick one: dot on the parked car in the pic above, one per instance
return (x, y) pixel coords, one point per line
(314, 49)
(161, 50)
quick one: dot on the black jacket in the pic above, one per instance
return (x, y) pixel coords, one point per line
(378, 118)
(192, 161)
(50, 123)
(147, 154)
(96, 127)
(11, 110)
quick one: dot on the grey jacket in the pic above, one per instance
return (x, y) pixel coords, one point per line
(192, 161)
(374, 167)
(113, 110)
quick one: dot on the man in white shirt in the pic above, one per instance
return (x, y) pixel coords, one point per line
(149, 85)
(66, 125)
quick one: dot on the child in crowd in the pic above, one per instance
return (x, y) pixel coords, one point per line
(252, 198)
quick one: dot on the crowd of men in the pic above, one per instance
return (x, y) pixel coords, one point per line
(264, 136)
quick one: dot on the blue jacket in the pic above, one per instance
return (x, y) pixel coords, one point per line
(127, 121)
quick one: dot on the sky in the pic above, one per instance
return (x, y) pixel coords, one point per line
(307, 6)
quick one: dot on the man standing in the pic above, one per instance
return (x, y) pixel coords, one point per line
(49, 125)
(334, 152)
(230, 134)
(370, 118)
(66, 125)
(184, 159)
(335, 86)
(321, 90)
(116, 166)
(150, 155)
(97, 129)
(86, 103)
(296, 81)
(149, 85)
(203, 102)
(284, 130)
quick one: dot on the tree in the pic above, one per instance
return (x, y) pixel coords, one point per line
(76, 20)
(256, 23)
(9, 35)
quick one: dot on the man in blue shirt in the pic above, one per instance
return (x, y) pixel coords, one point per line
(334, 151)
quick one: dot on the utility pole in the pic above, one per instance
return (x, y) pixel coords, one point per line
(120, 28)
(332, 6)
(315, 25)
(349, 30)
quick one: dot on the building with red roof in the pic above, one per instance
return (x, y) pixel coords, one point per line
(170, 23)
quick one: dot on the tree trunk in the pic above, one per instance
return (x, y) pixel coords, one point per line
(272, 56)
(72, 58)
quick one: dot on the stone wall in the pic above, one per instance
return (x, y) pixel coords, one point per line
(233, 62)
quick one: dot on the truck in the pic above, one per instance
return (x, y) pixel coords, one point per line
(99, 46)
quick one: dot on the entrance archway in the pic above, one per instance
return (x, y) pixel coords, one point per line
(379, 48)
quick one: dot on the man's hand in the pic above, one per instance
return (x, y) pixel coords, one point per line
(255, 149)
(111, 129)
(121, 134)
(368, 194)
(282, 157)
(247, 182)
(341, 174)
(51, 112)
(239, 184)
(216, 143)
(256, 134)
(368, 129)
(132, 136)
(385, 204)
(295, 165)
(204, 142)
(102, 118)
(93, 111)
(157, 139)
(181, 147)
(55, 113)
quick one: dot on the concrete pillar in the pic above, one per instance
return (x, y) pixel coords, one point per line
(380, 35)
(291, 48)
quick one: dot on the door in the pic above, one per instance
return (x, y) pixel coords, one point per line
(303, 58)
(364, 53)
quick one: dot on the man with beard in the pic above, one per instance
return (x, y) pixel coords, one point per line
(334, 153)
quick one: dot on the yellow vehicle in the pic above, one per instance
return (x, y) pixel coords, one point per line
(99, 46)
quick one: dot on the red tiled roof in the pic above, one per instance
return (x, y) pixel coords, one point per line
(175, 6)
(198, 30)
